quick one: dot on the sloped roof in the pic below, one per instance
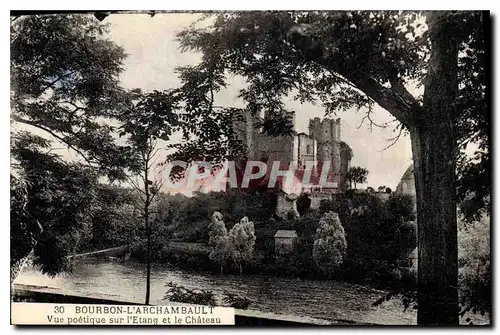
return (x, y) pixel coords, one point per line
(285, 233)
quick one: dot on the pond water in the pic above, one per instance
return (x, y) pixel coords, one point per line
(325, 300)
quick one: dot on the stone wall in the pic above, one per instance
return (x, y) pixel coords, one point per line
(285, 204)
(307, 148)
(274, 148)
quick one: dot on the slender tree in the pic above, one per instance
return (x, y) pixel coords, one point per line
(146, 119)
(148, 187)
(219, 241)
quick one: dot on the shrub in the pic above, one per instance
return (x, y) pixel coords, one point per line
(180, 293)
(306, 225)
(372, 233)
(299, 263)
(330, 244)
(235, 300)
(303, 204)
(474, 274)
(401, 206)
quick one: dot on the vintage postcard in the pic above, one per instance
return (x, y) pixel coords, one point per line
(250, 168)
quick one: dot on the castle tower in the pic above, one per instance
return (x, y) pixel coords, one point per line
(244, 129)
(336, 150)
(327, 134)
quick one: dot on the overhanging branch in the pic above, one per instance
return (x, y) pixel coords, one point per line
(56, 136)
(396, 100)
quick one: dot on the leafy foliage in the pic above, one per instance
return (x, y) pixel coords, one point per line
(219, 240)
(303, 203)
(49, 202)
(180, 293)
(64, 76)
(235, 300)
(373, 233)
(242, 237)
(474, 269)
(113, 219)
(330, 243)
(473, 124)
(474, 265)
(357, 175)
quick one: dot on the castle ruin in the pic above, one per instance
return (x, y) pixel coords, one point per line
(323, 143)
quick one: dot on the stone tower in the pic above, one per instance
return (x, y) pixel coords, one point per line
(327, 134)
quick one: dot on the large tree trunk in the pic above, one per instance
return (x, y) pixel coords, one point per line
(437, 229)
(434, 154)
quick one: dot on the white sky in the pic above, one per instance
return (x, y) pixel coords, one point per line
(153, 53)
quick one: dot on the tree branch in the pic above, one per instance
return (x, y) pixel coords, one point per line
(387, 98)
(136, 185)
(55, 81)
(396, 100)
(370, 120)
(394, 139)
(58, 137)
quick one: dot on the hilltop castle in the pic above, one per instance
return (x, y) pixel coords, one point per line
(323, 143)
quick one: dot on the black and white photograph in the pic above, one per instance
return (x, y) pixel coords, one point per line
(251, 168)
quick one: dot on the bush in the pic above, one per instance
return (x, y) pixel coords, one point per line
(303, 204)
(235, 300)
(372, 230)
(306, 225)
(330, 244)
(401, 206)
(299, 263)
(182, 294)
(474, 274)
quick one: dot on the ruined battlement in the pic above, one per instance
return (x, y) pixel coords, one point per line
(326, 130)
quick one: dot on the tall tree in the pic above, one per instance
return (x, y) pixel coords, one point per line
(346, 59)
(357, 174)
(146, 119)
(64, 82)
(219, 241)
(242, 237)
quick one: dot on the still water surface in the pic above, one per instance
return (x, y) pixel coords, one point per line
(318, 299)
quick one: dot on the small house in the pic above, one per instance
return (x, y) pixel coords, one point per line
(284, 240)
